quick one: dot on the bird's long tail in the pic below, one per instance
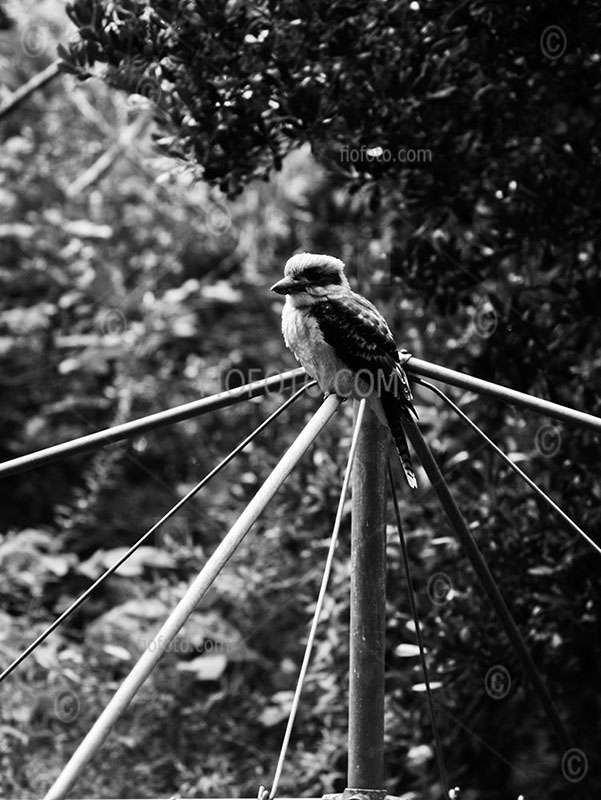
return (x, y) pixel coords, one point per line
(394, 409)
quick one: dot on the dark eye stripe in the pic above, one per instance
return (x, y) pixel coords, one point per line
(322, 276)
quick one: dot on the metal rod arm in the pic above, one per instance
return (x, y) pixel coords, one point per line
(417, 366)
(187, 604)
(482, 571)
(91, 441)
(277, 383)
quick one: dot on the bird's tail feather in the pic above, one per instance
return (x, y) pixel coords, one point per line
(394, 409)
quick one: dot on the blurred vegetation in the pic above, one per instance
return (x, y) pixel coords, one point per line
(132, 281)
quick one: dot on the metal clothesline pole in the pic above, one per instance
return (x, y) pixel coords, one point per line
(367, 632)
(191, 598)
(359, 414)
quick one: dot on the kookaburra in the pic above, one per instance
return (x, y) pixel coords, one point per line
(343, 341)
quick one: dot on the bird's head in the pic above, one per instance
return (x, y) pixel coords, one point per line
(309, 277)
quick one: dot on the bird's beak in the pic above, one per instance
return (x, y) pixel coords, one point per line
(285, 286)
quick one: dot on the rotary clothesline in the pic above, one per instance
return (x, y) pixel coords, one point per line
(255, 389)
(227, 547)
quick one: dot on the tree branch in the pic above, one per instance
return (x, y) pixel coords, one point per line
(23, 92)
(106, 161)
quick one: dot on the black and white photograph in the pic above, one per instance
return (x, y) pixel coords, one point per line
(300, 400)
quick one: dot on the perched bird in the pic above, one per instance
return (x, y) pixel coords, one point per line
(343, 341)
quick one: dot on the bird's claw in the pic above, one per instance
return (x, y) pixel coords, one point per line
(404, 356)
(327, 394)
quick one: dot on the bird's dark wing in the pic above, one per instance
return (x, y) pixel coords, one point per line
(361, 338)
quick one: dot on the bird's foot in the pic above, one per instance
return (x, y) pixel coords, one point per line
(404, 356)
(327, 394)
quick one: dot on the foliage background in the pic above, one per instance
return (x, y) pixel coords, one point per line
(133, 284)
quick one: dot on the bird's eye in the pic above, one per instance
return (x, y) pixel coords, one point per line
(312, 274)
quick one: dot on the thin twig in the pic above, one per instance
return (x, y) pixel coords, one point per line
(109, 158)
(23, 92)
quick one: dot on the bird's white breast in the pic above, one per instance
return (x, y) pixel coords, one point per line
(304, 338)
